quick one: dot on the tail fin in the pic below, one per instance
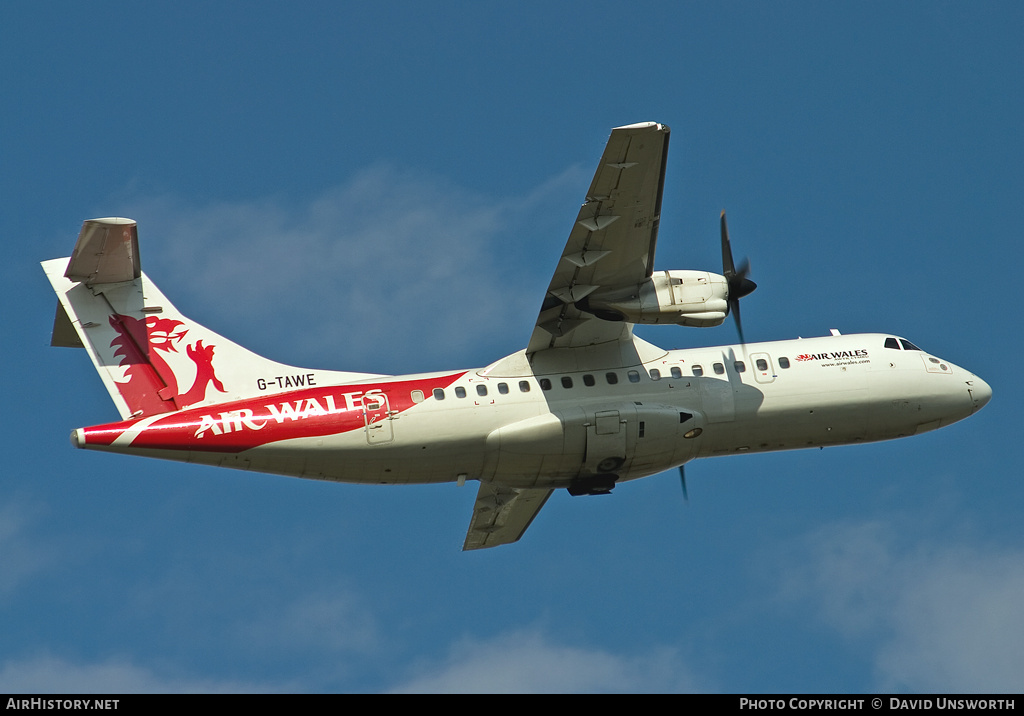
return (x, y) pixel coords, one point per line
(151, 358)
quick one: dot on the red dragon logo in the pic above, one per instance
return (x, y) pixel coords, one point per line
(151, 386)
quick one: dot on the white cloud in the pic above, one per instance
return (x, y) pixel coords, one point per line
(527, 662)
(387, 262)
(332, 622)
(51, 675)
(943, 618)
(22, 556)
(959, 625)
(267, 605)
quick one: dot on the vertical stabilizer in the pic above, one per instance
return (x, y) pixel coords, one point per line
(151, 358)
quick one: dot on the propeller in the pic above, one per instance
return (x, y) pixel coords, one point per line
(682, 478)
(739, 284)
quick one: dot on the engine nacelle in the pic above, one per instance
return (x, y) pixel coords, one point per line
(686, 298)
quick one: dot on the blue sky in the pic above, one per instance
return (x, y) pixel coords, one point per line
(387, 189)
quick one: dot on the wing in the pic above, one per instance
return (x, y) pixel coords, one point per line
(611, 245)
(502, 514)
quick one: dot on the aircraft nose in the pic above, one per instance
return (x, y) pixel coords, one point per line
(980, 392)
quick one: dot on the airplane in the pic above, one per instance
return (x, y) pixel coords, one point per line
(586, 405)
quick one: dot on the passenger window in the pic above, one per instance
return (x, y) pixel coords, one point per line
(634, 376)
(438, 394)
(417, 396)
(566, 381)
(891, 343)
(677, 372)
(908, 346)
(460, 392)
(762, 364)
(524, 386)
(588, 380)
(719, 368)
(503, 388)
(740, 366)
(545, 384)
(655, 374)
(612, 378)
(481, 389)
(698, 370)
(783, 362)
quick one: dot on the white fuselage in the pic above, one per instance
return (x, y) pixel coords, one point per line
(515, 424)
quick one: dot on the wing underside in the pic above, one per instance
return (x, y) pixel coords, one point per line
(502, 514)
(611, 244)
(610, 250)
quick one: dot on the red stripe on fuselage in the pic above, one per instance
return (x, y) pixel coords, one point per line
(244, 424)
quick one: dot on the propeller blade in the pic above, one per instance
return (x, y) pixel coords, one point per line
(682, 479)
(734, 309)
(737, 281)
(728, 269)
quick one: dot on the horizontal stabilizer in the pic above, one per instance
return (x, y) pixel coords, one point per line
(107, 251)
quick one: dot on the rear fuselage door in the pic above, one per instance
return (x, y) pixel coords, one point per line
(377, 419)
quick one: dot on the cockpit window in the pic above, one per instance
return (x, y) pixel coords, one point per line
(891, 343)
(908, 346)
